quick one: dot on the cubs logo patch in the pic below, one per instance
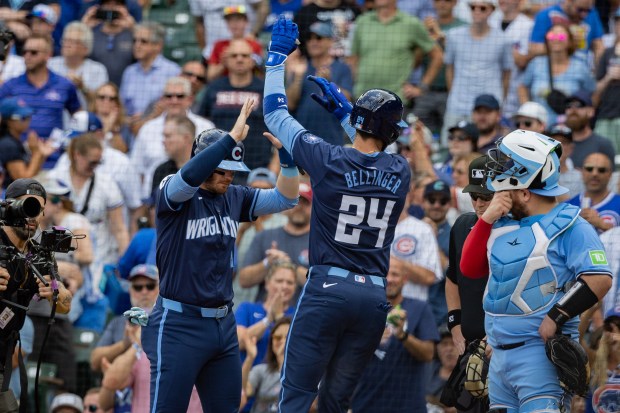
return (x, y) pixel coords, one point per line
(404, 245)
(310, 138)
(606, 399)
(237, 153)
(360, 278)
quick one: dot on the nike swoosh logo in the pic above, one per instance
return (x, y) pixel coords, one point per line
(258, 315)
(325, 285)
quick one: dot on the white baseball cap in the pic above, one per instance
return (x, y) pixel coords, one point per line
(67, 400)
(533, 110)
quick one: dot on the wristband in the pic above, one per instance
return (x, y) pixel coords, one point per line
(558, 317)
(286, 160)
(265, 321)
(404, 337)
(454, 318)
(266, 263)
(274, 101)
(138, 350)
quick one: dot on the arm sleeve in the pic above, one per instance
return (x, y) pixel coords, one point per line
(474, 261)
(269, 201)
(452, 264)
(540, 28)
(348, 129)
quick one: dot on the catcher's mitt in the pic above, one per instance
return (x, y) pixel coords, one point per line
(477, 371)
(571, 363)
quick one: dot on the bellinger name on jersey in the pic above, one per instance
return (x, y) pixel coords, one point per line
(373, 177)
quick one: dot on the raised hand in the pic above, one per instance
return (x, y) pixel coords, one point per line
(241, 129)
(333, 100)
(283, 41)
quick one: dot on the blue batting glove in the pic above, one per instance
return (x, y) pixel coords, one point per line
(137, 315)
(283, 41)
(333, 100)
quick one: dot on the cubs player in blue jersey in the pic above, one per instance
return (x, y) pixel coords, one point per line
(191, 338)
(358, 195)
(546, 266)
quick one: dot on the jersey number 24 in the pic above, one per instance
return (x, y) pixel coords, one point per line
(373, 221)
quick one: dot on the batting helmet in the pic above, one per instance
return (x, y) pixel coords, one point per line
(379, 112)
(233, 161)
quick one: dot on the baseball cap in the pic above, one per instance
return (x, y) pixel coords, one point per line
(469, 129)
(15, 109)
(617, 14)
(478, 176)
(25, 186)
(83, 121)
(582, 96)
(613, 312)
(57, 187)
(44, 12)
(322, 29)
(237, 10)
(144, 270)
(262, 174)
(486, 101)
(533, 110)
(437, 187)
(67, 400)
(305, 191)
(560, 129)
(491, 2)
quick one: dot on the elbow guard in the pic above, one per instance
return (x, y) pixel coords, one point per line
(577, 300)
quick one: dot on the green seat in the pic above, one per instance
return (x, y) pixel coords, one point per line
(49, 384)
(84, 340)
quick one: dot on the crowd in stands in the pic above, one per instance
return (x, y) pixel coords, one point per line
(94, 104)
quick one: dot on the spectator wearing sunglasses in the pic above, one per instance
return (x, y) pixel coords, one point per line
(579, 113)
(462, 141)
(531, 116)
(600, 206)
(91, 401)
(196, 73)
(570, 177)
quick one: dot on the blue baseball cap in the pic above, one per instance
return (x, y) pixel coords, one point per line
(15, 109)
(486, 101)
(145, 270)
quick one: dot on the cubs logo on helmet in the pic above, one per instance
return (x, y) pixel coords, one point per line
(233, 161)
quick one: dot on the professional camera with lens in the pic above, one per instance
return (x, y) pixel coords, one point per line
(6, 37)
(15, 213)
(107, 15)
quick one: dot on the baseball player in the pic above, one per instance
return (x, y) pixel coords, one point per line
(191, 336)
(358, 195)
(545, 264)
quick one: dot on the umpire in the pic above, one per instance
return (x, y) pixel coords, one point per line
(191, 335)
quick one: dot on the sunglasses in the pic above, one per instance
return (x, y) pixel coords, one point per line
(599, 169)
(460, 138)
(175, 95)
(442, 201)
(91, 407)
(198, 77)
(141, 40)
(557, 37)
(313, 36)
(482, 197)
(482, 8)
(139, 287)
(31, 51)
(526, 123)
(235, 55)
(575, 104)
(222, 173)
(106, 97)
(584, 10)
(55, 199)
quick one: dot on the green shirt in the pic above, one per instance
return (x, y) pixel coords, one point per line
(385, 51)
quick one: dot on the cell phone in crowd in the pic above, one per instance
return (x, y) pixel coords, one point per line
(107, 15)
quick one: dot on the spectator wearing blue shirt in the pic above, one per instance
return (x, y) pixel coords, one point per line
(144, 81)
(47, 93)
(582, 19)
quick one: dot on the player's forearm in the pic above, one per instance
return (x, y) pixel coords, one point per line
(269, 201)
(453, 299)
(348, 129)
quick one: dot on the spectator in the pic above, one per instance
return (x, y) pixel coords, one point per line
(225, 97)
(112, 37)
(144, 81)
(422, 9)
(579, 113)
(67, 403)
(109, 109)
(15, 159)
(462, 140)
(385, 44)
(487, 117)
(91, 401)
(97, 197)
(299, 89)
(148, 150)
(43, 19)
(395, 377)
(580, 17)
(196, 73)
(262, 381)
(141, 250)
(278, 8)
(607, 94)
(236, 18)
(12, 66)
(340, 14)
(531, 116)
(600, 206)
(478, 61)
(569, 176)
(462, 201)
(288, 243)
(86, 74)
(570, 73)
(14, 16)
(430, 106)
(44, 91)
(447, 356)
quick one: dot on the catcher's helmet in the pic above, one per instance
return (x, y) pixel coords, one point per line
(233, 161)
(379, 112)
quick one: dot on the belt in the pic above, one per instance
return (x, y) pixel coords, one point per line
(194, 310)
(360, 278)
(438, 89)
(511, 346)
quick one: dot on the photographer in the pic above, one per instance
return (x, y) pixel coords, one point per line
(18, 283)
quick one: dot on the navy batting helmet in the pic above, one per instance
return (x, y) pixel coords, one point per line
(233, 161)
(379, 112)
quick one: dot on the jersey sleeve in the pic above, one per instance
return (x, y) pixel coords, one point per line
(583, 250)
(313, 153)
(247, 197)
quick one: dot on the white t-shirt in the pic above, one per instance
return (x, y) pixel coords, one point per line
(415, 242)
(93, 74)
(13, 67)
(148, 149)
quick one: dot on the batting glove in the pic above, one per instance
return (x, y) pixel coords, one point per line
(137, 315)
(333, 100)
(283, 41)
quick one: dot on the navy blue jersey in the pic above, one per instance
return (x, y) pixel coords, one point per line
(356, 202)
(193, 241)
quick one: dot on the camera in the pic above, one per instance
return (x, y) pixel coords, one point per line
(6, 37)
(57, 239)
(14, 213)
(107, 15)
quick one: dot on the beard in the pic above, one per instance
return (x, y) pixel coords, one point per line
(518, 210)
(23, 233)
(577, 123)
